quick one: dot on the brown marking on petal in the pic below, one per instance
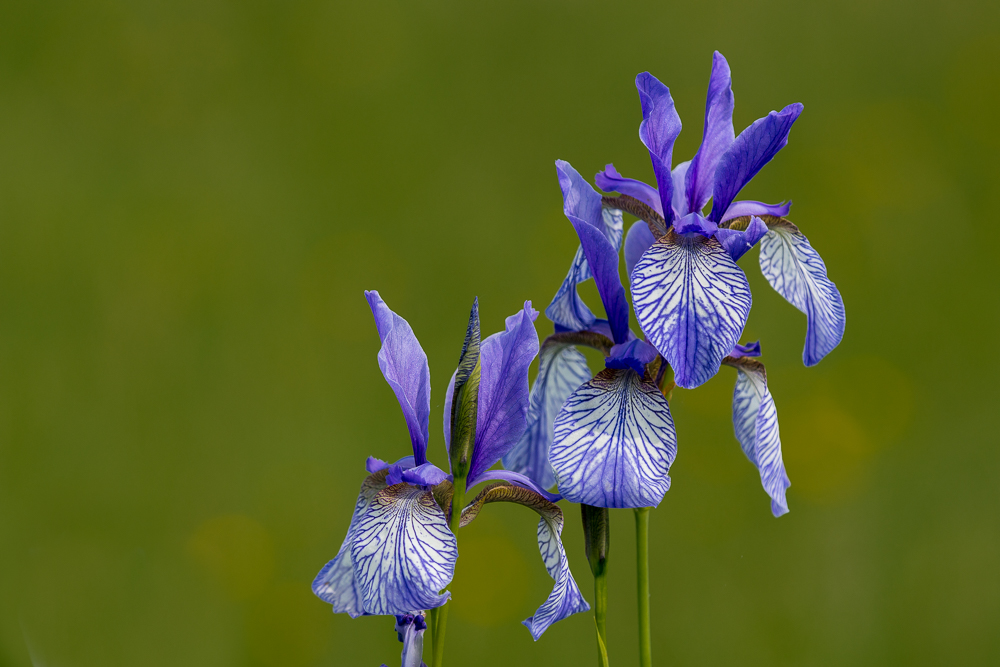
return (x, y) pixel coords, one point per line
(640, 209)
(597, 341)
(772, 222)
(747, 365)
(508, 493)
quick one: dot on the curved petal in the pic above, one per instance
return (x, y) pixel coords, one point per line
(404, 366)
(692, 302)
(503, 389)
(634, 354)
(718, 135)
(610, 180)
(614, 442)
(565, 598)
(738, 209)
(519, 480)
(637, 241)
(798, 273)
(748, 350)
(403, 552)
(755, 421)
(561, 369)
(336, 583)
(658, 131)
(738, 241)
(602, 257)
(579, 198)
(678, 175)
(410, 630)
(567, 309)
(754, 148)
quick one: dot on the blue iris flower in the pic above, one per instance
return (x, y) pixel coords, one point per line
(690, 297)
(608, 441)
(399, 553)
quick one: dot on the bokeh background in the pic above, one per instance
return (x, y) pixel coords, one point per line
(193, 196)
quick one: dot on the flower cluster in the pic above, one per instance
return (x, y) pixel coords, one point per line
(607, 441)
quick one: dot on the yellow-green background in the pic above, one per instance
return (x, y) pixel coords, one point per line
(194, 194)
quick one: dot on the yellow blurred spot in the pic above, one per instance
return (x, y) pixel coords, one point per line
(283, 628)
(492, 578)
(236, 552)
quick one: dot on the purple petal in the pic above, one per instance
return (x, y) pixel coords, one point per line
(517, 479)
(738, 209)
(718, 135)
(426, 474)
(336, 583)
(637, 241)
(579, 198)
(403, 552)
(614, 442)
(750, 350)
(660, 127)
(692, 302)
(754, 148)
(561, 369)
(410, 630)
(634, 354)
(447, 414)
(695, 223)
(610, 180)
(797, 272)
(565, 598)
(738, 242)
(755, 421)
(404, 366)
(603, 260)
(503, 390)
(679, 200)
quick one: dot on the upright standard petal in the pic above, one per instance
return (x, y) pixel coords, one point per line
(755, 421)
(798, 273)
(718, 135)
(738, 241)
(404, 366)
(678, 176)
(692, 302)
(602, 257)
(610, 180)
(561, 370)
(565, 598)
(403, 552)
(754, 148)
(658, 131)
(614, 442)
(637, 241)
(336, 583)
(503, 390)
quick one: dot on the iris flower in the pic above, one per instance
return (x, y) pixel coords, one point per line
(690, 297)
(400, 550)
(612, 437)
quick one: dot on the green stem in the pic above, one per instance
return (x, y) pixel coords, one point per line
(597, 542)
(642, 581)
(457, 504)
(601, 615)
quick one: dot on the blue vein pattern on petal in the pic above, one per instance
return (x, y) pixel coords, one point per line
(797, 272)
(567, 308)
(503, 390)
(404, 366)
(565, 598)
(637, 241)
(335, 583)
(692, 302)
(717, 136)
(658, 131)
(755, 421)
(614, 442)
(403, 552)
(561, 370)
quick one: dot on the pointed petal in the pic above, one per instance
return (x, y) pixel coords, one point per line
(637, 241)
(561, 369)
(610, 180)
(580, 199)
(717, 138)
(403, 552)
(739, 209)
(504, 390)
(565, 598)
(692, 302)
(755, 421)
(798, 273)
(754, 148)
(336, 583)
(738, 241)
(602, 257)
(404, 366)
(614, 442)
(658, 131)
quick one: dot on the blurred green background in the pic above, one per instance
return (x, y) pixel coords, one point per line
(193, 196)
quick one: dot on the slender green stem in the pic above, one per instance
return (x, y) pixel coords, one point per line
(642, 581)
(457, 504)
(601, 615)
(431, 627)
